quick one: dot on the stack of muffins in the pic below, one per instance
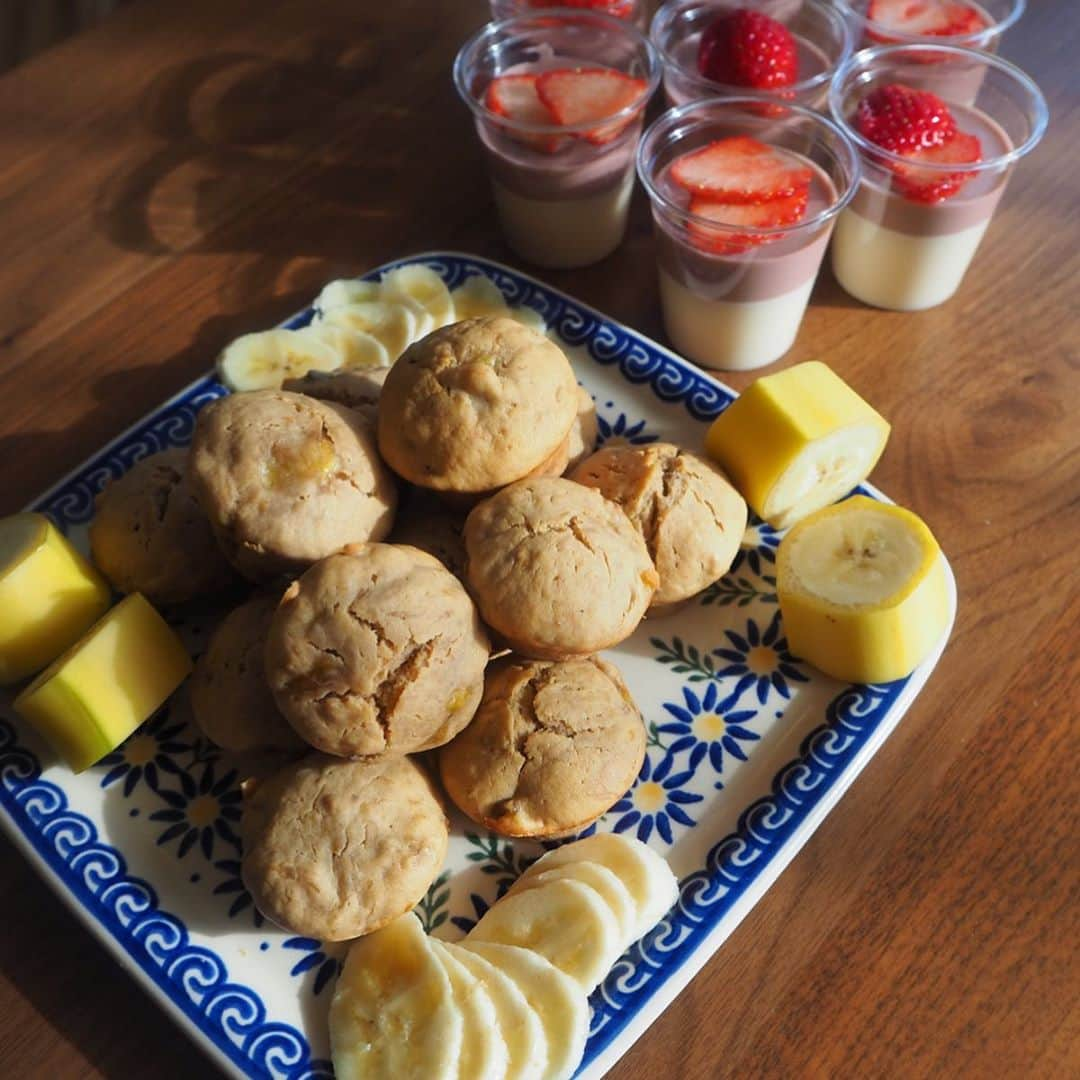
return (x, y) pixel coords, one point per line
(370, 632)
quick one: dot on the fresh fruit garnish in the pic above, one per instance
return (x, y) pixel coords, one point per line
(900, 120)
(578, 96)
(741, 170)
(931, 18)
(748, 48)
(932, 185)
(514, 96)
(762, 215)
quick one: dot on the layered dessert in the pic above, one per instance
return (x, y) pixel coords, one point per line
(787, 48)
(912, 229)
(559, 127)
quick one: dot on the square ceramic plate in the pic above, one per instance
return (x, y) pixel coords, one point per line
(748, 749)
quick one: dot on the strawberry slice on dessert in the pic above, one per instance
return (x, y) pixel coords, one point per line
(515, 97)
(577, 96)
(899, 119)
(741, 170)
(928, 18)
(765, 215)
(748, 48)
(933, 185)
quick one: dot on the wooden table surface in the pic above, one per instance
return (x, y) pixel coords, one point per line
(194, 169)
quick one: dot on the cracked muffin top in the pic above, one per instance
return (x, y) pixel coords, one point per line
(334, 849)
(556, 569)
(149, 535)
(376, 650)
(690, 516)
(476, 405)
(286, 479)
(553, 745)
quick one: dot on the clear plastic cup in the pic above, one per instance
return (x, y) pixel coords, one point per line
(821, 34)
(890, 249)
(562, 192)
(632, 10)
(740, 308)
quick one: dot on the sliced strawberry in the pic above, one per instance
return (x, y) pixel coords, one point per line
(932, 185)
(748, 48)
(767, 215)
(515, 97)
(930, 18)
(586, 95)
(741, 170)
(899, 119)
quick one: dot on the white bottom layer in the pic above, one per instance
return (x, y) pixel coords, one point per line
(731, 335)
(565, 233)
(898, 271)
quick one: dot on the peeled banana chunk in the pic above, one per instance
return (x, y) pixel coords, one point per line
(264, 360)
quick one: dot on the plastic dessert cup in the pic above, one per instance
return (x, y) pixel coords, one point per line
(632, 10)
(822, 37)
(740, 309)
(896, 252)
(562, 192)
(998, 16)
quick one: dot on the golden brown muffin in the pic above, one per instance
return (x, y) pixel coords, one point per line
(553, 745)
(334, 849)
(149, 534)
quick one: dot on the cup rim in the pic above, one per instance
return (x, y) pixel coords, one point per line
(995, 29)
(865, 57)
(667, 12)
(563, 15)
(673, 116)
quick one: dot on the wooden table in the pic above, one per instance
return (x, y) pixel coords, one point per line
(197, 168)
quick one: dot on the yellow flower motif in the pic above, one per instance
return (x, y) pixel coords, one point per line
(649, 797)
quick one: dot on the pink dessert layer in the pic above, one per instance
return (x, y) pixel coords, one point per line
(758, 273)
(878, 201)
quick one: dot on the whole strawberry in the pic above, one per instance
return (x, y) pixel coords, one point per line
(900, 119)
(748, 48)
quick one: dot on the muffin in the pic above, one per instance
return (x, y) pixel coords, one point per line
(357, 390)
(427, 524)
(556, 569)
(584, 430)
(149, 534)
(691, 518)
(286, 479)
(230, 700)
(334, 849)
(553, 745)
(377, 650)
(476, 405)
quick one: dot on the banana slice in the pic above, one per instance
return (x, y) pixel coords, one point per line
(862, 590)
(423, 320)
(265, 360)
(484, 1055)
(646, 875)
(392, 323)
(599, 878)
(393, 1012)
(559, 1002)
(478, 296)
(356, 349)
(564, 921)
(422, 284)
(530, 318)
(346, 291)
(796, 441)
(518, 1023)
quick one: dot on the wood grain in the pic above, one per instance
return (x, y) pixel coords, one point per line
(191, 170)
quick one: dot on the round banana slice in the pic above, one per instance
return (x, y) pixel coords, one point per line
(611, 890)
(478, 296)
(484, 1055)
(559, 1002)
(644, 872)
(518, 1022)
(393, 1012)
(263, 361)
(422, 284)
(530, 318)
(346, 291)
(392, 323)
(356, 349)
(564, 921)
(423, 319)
(796, 441)
(862, 591)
